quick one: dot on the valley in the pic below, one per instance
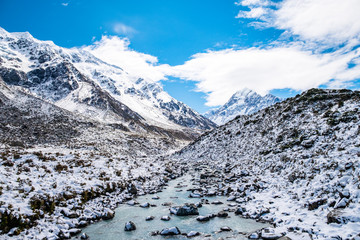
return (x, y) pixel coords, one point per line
(84, 145)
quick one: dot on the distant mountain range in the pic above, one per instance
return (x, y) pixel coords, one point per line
(77, 81)
(243, 102)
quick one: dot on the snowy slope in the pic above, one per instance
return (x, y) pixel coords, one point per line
(77, 81)
(243, 102)
(295, 164)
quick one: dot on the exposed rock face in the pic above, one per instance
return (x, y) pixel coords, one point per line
(243, 102)
(185, 210)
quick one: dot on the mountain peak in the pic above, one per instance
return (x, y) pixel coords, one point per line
(245, 92)
(243, 102)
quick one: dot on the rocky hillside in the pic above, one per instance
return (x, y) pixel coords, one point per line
(243, 102)
(295, 164)
(60, 171)
(75, 80)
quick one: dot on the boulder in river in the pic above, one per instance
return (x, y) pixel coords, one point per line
(165, 218)
(132, 202)
(225, 229)
(254, 235)
(193, 234)
(149, 218)
(145, 205)
(195, 195)
(170, 231)
(130, 226)
(185, 210)
(203, 218)
(156, 197)
(84, 236)
(222, 214)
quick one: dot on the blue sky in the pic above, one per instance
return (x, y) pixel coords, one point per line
(203, 51)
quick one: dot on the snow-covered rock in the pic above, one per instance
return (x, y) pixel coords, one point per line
(185, 210)
(170, 231)
(130, 226)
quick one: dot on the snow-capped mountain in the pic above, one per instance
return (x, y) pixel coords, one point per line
(75, 80)
(243, 102)
(295, 163)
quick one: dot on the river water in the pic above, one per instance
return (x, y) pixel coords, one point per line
(175, 193)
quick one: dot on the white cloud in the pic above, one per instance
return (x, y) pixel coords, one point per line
(221, 73)
(298, 65)
(332, 21)
(256, 12)
(116, 51)
(123, 29)
(65, 4)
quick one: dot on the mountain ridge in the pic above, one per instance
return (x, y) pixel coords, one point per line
(76, 80)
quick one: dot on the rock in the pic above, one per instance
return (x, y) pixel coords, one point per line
(307, 143)
(169, 170)
(315, 204)
(254, 236)
(132, 189)
(84, 236)
(132, 203)
(170, 231)
(225, 229)
(145, 205)
(335, 216)
(185, 210)
(82, 224)
(108, 215)
(154, 233)
(193, 234)
(240, 211)
(149, 218)
(195, 195)
(342, 203)
(211, 193)
(156, 197)
(217, 202)
(167, 204)
(165, 218)
(344, 194)
(69, 214)
(231, 198)
(270, 234)
(74, 231)
(203, 218)
(130, 226)
(284, 238)
(198, 204)
(222, 214)
(348, 165)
